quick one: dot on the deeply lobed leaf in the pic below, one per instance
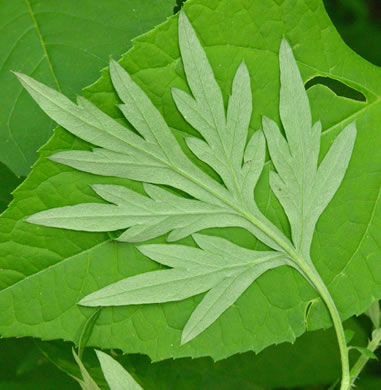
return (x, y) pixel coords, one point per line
(349, 220)
(297, 184)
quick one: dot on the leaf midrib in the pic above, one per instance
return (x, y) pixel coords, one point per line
(42, 43)
(208, 270)
(245, 214)
(145, 119)
(248, 216)
(148, 215)
(228, 161)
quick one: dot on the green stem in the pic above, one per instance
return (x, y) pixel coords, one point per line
(309, 271)
(363, 360)
(321, 288)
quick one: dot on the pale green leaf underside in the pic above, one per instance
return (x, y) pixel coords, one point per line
(116, 376)
(303, 190)
(45, 271)
(156, 157)
(87, 382)
(225, 269)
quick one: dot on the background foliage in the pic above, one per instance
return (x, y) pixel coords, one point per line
(25, 365)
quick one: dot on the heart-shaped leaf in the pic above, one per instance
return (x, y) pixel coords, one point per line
(51, 272)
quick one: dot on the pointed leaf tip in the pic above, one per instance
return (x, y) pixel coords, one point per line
(114, 67)
(17, 74)
(184, 22)
(258, 136)
(266, 121)
(185, 338)
(30, 219)
(199, 239)
(243, 67)
(285, 45)
(87, 301)
(115, 374)
(30, 84)
(24, 79)
(243, 72)
(113, 62)
(183, 15)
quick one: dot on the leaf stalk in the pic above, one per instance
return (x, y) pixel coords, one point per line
(314, 278)
(321, 288)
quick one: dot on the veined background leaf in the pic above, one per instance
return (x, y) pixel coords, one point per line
(39, 263)
(63, 44)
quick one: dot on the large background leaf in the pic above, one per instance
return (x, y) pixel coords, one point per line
(46, 271)
(64, 44)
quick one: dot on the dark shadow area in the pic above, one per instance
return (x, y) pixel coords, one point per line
(179, 4)
(359, 24)
(339, 88)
